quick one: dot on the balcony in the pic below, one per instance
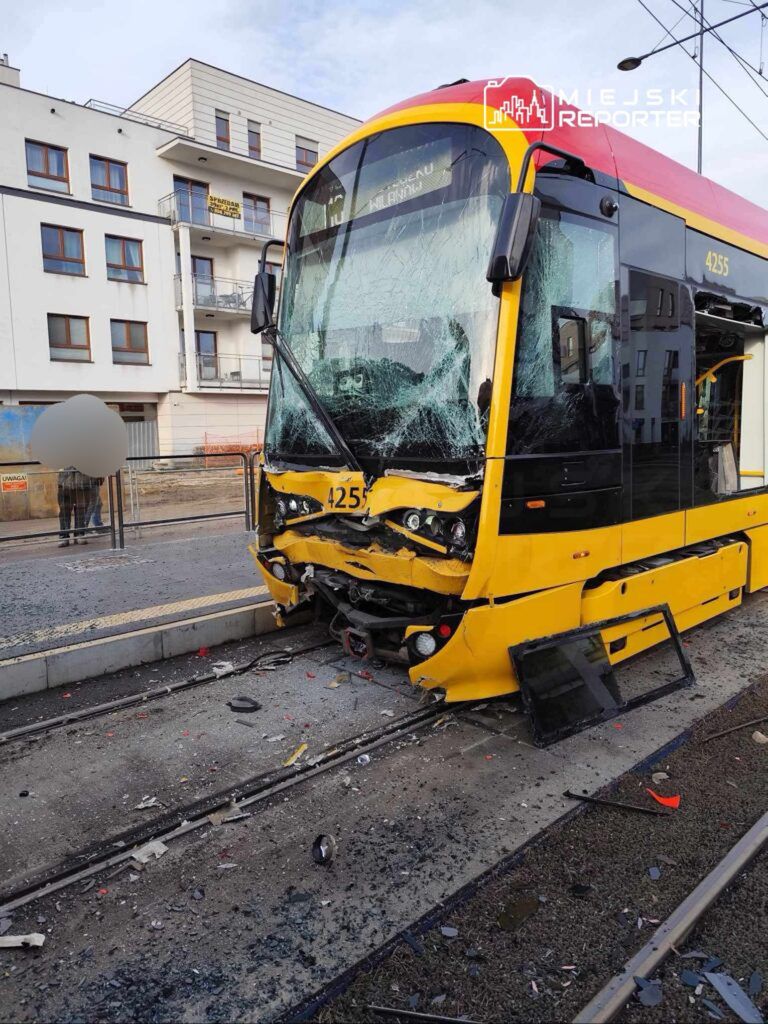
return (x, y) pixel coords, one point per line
(222, 294)
(227, 371)
(137, 115)
(192, 209)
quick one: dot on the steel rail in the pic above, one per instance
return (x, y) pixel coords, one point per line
(192, 816)
(95, 710)
(610, 1000)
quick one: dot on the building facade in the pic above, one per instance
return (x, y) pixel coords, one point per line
(129, 240)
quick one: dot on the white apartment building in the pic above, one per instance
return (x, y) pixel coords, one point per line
(129, 240)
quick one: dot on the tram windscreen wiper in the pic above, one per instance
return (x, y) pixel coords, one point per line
(286, 355)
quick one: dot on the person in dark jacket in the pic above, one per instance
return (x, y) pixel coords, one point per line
(74, 493)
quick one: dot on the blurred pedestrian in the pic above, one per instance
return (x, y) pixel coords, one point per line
(74, 489)
(93, 514)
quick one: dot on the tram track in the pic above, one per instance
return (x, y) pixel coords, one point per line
(247, 793)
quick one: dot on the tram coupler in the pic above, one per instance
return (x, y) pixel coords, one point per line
(357, 642)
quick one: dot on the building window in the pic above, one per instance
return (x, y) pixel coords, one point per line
(191, 200)
(69, 338)
(129, 341)
(256, 214)
(124, 259)
(639, 397)
(642, 358)
(62, 250)
(222, 130)
(254, 140)
(47, 166)
(306, 154)
(109, 180)
(206, 345)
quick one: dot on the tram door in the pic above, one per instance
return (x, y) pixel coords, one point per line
(657, 384)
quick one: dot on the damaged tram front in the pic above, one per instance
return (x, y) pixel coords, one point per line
(464, 449)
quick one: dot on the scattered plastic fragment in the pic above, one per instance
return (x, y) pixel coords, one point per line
(244, 703)
(276, 739)
(65, 695)
(21, 941)
(146, 802)
(203, 652)
(690, 978)
(711, 964)
(24, 792)
(142, 714)
(438, 1000)
(534, 988)
(155, 850)
(754, 988)
(414, 943)
(449, 932)
(388, 713)
(759, 737)
(364, 759)
(222, 668)
(198, 894)
(663, 859)
(102, 892)
(658, 777)
(156, 925)
(338, 679)
(517, 912)
(714, 1010)
(295, 755)
(695, 954)
(655, 873)
(649, 992)
(311, 675)
(323, 849)
(665, 801)
(617, 725)
(734, 995)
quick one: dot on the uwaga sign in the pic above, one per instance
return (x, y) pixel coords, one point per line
(13, 482)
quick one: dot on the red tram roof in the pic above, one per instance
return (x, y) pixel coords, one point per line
(640, 170)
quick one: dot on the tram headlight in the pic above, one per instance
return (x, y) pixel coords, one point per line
(281, 507)
(412, 520)
(278, 570)
(458, 533)
(292, 506)
(425, 645)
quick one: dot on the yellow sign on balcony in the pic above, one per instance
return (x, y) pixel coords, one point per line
(226, 207)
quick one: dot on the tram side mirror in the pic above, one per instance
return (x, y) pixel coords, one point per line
(514, 237)
(262, 310)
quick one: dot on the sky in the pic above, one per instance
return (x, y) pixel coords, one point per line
(362, 57)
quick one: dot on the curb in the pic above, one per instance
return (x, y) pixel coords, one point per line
(89, 659)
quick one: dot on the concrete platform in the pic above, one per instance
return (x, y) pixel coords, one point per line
(236, 922)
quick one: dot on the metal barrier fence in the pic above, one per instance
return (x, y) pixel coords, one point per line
(139, 496)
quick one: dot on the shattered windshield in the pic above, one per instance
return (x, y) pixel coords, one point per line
(385, 302)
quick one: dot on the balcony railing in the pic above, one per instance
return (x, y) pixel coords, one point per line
(192, 208)
(226, 371)
(221, 293)
(137, 115)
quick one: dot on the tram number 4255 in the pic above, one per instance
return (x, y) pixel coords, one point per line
(348, 498)
(716, 263)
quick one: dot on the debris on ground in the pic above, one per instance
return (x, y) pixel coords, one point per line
(658, 777)
(754, 987)
(244, 703)
(364, 759)
(388, 713)
(147, 802)
(648, 992)
(665, 801)
(153, 850)
(449, 932)
(338, 679)
(276, 739)
(21, 941)
(323, 849)
(655, 873)
(735, 996)
(759, 737)
(222, 668)
(605, 802)
(203, 652)
(295, 755)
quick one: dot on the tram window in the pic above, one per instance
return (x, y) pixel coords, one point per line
(564, 395)
(657, 351)
(729, 404)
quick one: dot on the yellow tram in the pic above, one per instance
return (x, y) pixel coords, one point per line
(518, 388)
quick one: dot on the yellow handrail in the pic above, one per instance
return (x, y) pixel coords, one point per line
(710, 372)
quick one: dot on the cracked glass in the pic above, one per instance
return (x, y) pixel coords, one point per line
(564, 392)
(385, 302)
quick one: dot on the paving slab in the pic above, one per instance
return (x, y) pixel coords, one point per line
(45, 603)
